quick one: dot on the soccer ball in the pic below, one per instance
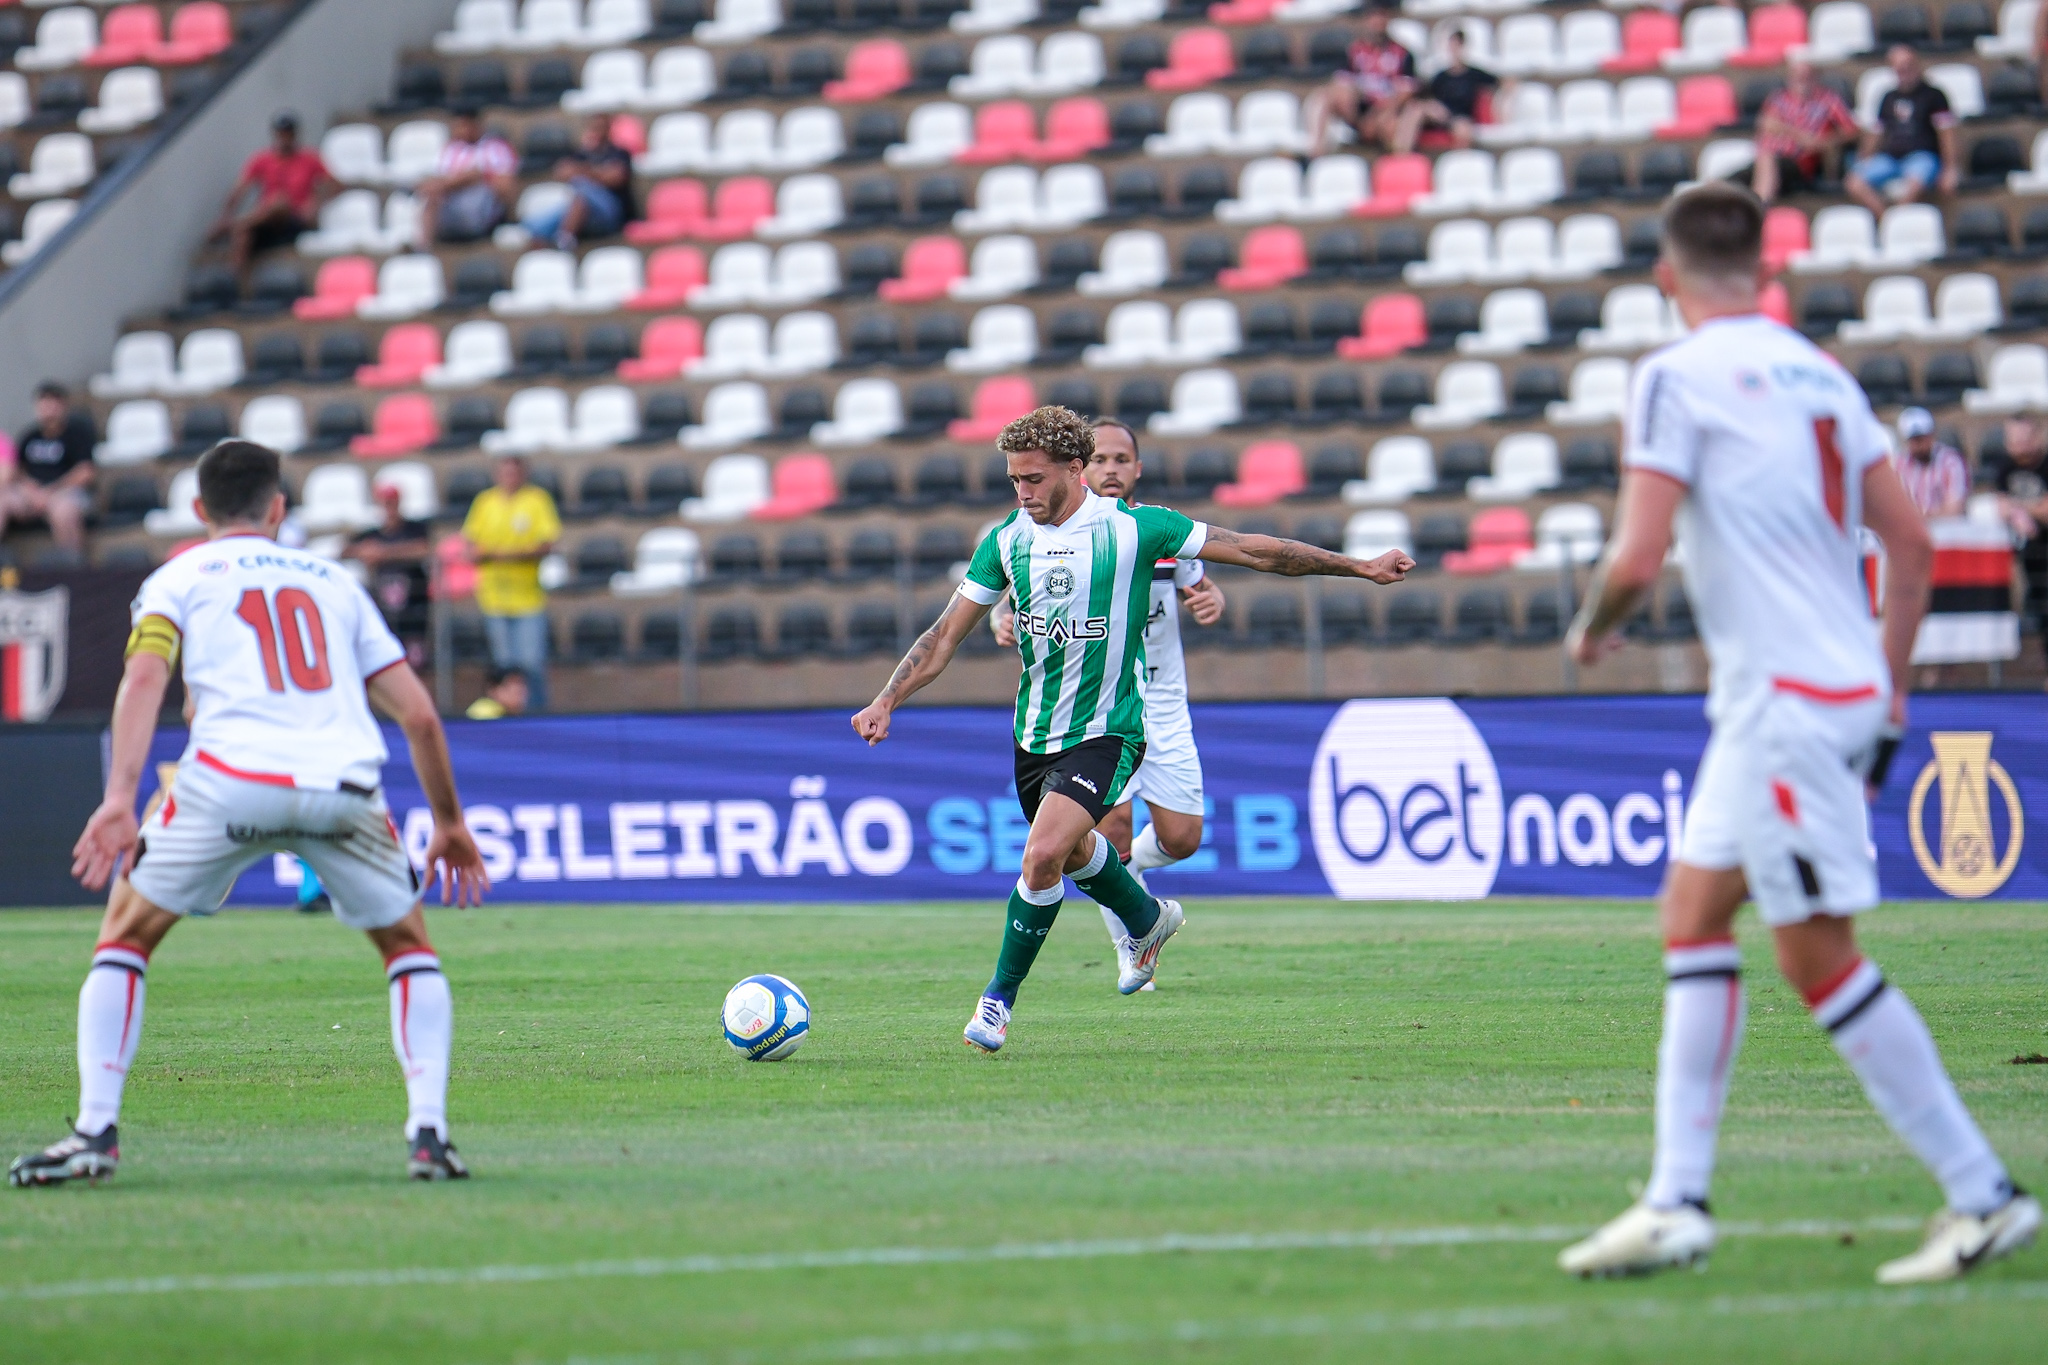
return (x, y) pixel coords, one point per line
(766, 1018)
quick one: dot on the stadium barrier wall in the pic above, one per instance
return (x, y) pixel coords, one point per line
(1384, 799)
(51, 777)
(127, 250)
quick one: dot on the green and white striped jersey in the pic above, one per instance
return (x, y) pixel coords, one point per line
(1083, 592)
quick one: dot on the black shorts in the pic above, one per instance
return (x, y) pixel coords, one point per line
(1093, 773)
(278, 231)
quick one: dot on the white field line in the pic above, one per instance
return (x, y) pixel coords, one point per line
(652, 1267)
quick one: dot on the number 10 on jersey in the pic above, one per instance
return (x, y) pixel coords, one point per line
(293, 638)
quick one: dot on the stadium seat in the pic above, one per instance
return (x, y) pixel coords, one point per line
(1074, 128)
(734, 412)
(142, 363)
(1525, 463)
(128, 99)
(673, 275)
(805, 206)
(875, 68)
(1267, 471)
(1001, 337)
(803, 484)
(1467, 391)
(1839, 29)
(1585, 111)
(1566, 533)
(1271, 256)
(404, 356)
(1067, 61)
(209, 359)
(1497, 538)
(1004, 130)
(1000, 65)
(1203, 401)
(1787, 236)
(1966, 305)
(1001, 266)
(1196, 123)
(536, 419)
(1586, 39)
(604, 416)
(1122, 14)
(1774, 30)
(739, 21)
(803, 272)
(1841, 237)
(996, 403)
(1137, 333)
(276, 420)
(806, 138)
(1268, 188)
(735, 488)
(804, 342)
(1632, 317)
(1643, 105)
(404, 424)
(2016, 379)
(1527, 45)
(59, 164)
(1463, 180)
(65, 37)
(542, 282)
(1397, 182)
(336, 497)
(1510, 320)
(138, 430)
(1599, 393)
(1195, 57)
(1133, 261)
(1910, 234)
(1459, 250)
(935, 134)
(863, 411)
(1894, 307)
(608, 277)
(1398, 468)
(665, 560)
(1711, 35)
(406, 286)
(1390, 324)
(667, 349)
(130, 33)
(1963, 85)
(1704, 104)
(480, 26)
(1646, 35)
(675, 209)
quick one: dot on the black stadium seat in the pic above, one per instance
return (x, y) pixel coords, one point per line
(804, 628)
(599, 636)
(802, 556)
(736, 558)
(1415, 617)
(733, 633)
(871, 628)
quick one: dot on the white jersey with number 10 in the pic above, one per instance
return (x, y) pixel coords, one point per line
(277, 646)
(1771, 437)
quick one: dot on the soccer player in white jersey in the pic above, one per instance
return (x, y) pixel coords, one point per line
(1764, 453)
(1169, 781)
(283, 654)
(1079, 567)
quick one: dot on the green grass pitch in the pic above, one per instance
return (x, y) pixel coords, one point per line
(1439, 1093)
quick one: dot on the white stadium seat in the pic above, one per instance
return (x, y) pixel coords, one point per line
(739, 21)
(1642, 105)
(476, 352)
(605, 415)
(1566, 533)
(1000, 266)
(1527, 45)
(1002, 65)
(1132, 262)
(678, 141)
(1523, 249)
(2015, 36)
(1136, 333)
(2016, 379)
(734, 344)
(935, 133)
(805, 205)
(1587, 243)
(1463, 182)
(209, 360)
(418, 499)
(1839, 29)
(612, 81)
(863, 411)
(143, 362)
(1712, 34)
(1894, 307)
(1459, 250)
(414, 151)
(336, 497)
(665, 559)
(739, 273)
(535, 419)
(1585, 39)
(128, 98)
(734, 485)
(43, 221)
(1069, 196)
(1510, 320)
(805, 342)
(734, 412)
(1196, 123)
(1841, 237)
(63, 38)
(277, 420)
(992, 16)
(1397, 469)
(1005, 197)
(1598, 392)
(1467, 392)
(1910, 234)
(1268, 188)
(1267, 121)
(480, 26)
(1002, 336)
(349, 222)
(1585, 111)
(177, 517)
(803, 272)
(1966, 305)
(1202, 401)
(138, 430)
(742, 140)
(1205, 330)
(1370, 534)
(1632, 317)
(542, 282)
(60, 164)
(607, 278)
(808, 137)
(354, 153)
(679, 76)
(1333, 187)
(1523, 464)
(1067, 61)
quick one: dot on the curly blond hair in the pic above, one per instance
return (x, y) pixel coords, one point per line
(1062, 433)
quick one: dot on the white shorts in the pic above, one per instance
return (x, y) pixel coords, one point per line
(1781, 797)
(213, 827)
(1171, 775)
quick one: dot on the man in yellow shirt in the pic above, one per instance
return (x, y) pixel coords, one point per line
(511, 527)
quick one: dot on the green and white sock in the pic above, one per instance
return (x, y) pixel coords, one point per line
(1108, 883)
(1030, 919)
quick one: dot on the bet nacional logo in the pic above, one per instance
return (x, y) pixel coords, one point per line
(1405, 803)
(1964, 860)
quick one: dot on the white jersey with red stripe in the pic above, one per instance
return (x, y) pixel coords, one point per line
(1771, 437)
(278, 646)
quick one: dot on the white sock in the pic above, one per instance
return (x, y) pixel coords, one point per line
(1146, 853)
(422, 1031)
(1704, 1007)
(1884, 1040)
(109, 1028)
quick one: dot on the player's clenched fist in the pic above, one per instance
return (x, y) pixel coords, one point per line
(871, 723)
(1391, 567)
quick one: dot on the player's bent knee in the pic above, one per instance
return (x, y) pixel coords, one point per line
(406, 936)
(133, 919)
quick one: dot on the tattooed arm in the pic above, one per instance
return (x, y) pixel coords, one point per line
(925, 661)
(1271, 554)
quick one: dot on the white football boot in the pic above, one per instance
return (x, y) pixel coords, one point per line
(1134, 972)
(1641, 1240)
(1958, 1243)
(989, 1026)
(1120, 940)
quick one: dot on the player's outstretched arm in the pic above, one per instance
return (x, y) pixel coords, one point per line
(1642, 538)
(1272, 554)
(452, 852)
(1908, 571)
(925, 661)
(111, 832)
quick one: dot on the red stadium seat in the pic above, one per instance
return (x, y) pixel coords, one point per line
(738, 205)
(675, 210)
(130, 34)
(1775, 304)
(1272, 255)
(803, 484)
(199, 30)
(1646, 35)
(629, 133)
(406, 353)
(1498, 537)
(672, 274)
(1004, 130)
(997, 403)
(666, 347)
(404, 423)
(457, 578)
(929, 265)
(874, 68)
(1396, 182)
(1391, 324)
(1073, 128)
(1704, 104)
(1786, 234)
(1267, 472)
(1772, 29)
(1198, 56)
(1243, 11)
(340, 284)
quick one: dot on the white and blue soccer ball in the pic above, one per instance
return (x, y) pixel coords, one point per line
(766, 1018)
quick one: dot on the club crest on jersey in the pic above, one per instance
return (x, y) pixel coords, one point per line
(1060, 582)
(1059, 632)
(1750, 383)
(214, 566)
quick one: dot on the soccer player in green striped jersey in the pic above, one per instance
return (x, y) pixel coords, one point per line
(1079, 568)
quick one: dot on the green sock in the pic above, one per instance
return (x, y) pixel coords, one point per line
(1114, 886)
(1024, 932)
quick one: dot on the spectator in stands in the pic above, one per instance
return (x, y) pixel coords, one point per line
(1451, 101)
(1371, 94)
(511, 527)
(395, 553)
(473, 186)
(278, 196)
(1934, 473)
(505, 694)
(599, 175)
(1799, 127)
(2020, 475)
(1913, 145)
(50, 477)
